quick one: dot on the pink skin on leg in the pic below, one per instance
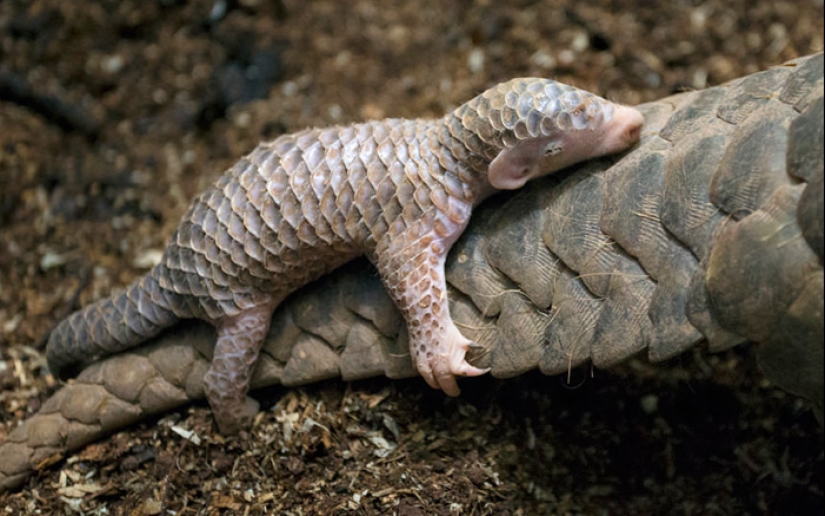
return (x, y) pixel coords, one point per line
(227, 381)
(438, 347)
(415, 279)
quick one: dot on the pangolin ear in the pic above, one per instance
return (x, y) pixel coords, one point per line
(515, 166)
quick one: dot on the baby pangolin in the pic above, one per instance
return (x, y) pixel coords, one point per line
(398, 191)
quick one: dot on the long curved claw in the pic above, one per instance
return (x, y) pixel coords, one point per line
(441, 366)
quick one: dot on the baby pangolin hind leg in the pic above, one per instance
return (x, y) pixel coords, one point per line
(227, 381)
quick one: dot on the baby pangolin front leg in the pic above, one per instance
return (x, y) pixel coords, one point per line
(398, 191)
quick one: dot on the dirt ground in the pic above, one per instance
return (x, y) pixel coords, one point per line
(113, 114)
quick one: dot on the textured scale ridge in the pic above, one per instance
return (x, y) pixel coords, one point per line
(398, 191)
(518, 110)
(541, 280)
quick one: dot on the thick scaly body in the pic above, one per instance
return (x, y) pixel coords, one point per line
(398, 191)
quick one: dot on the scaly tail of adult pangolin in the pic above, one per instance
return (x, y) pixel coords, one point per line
(109, 326)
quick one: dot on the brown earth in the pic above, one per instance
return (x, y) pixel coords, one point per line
(113, 114)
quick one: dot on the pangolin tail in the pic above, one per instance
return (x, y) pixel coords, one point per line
(106, 327)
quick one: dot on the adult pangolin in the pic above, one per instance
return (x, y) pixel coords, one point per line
(398, 191)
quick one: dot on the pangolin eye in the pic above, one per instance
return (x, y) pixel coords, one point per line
(552, 149)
